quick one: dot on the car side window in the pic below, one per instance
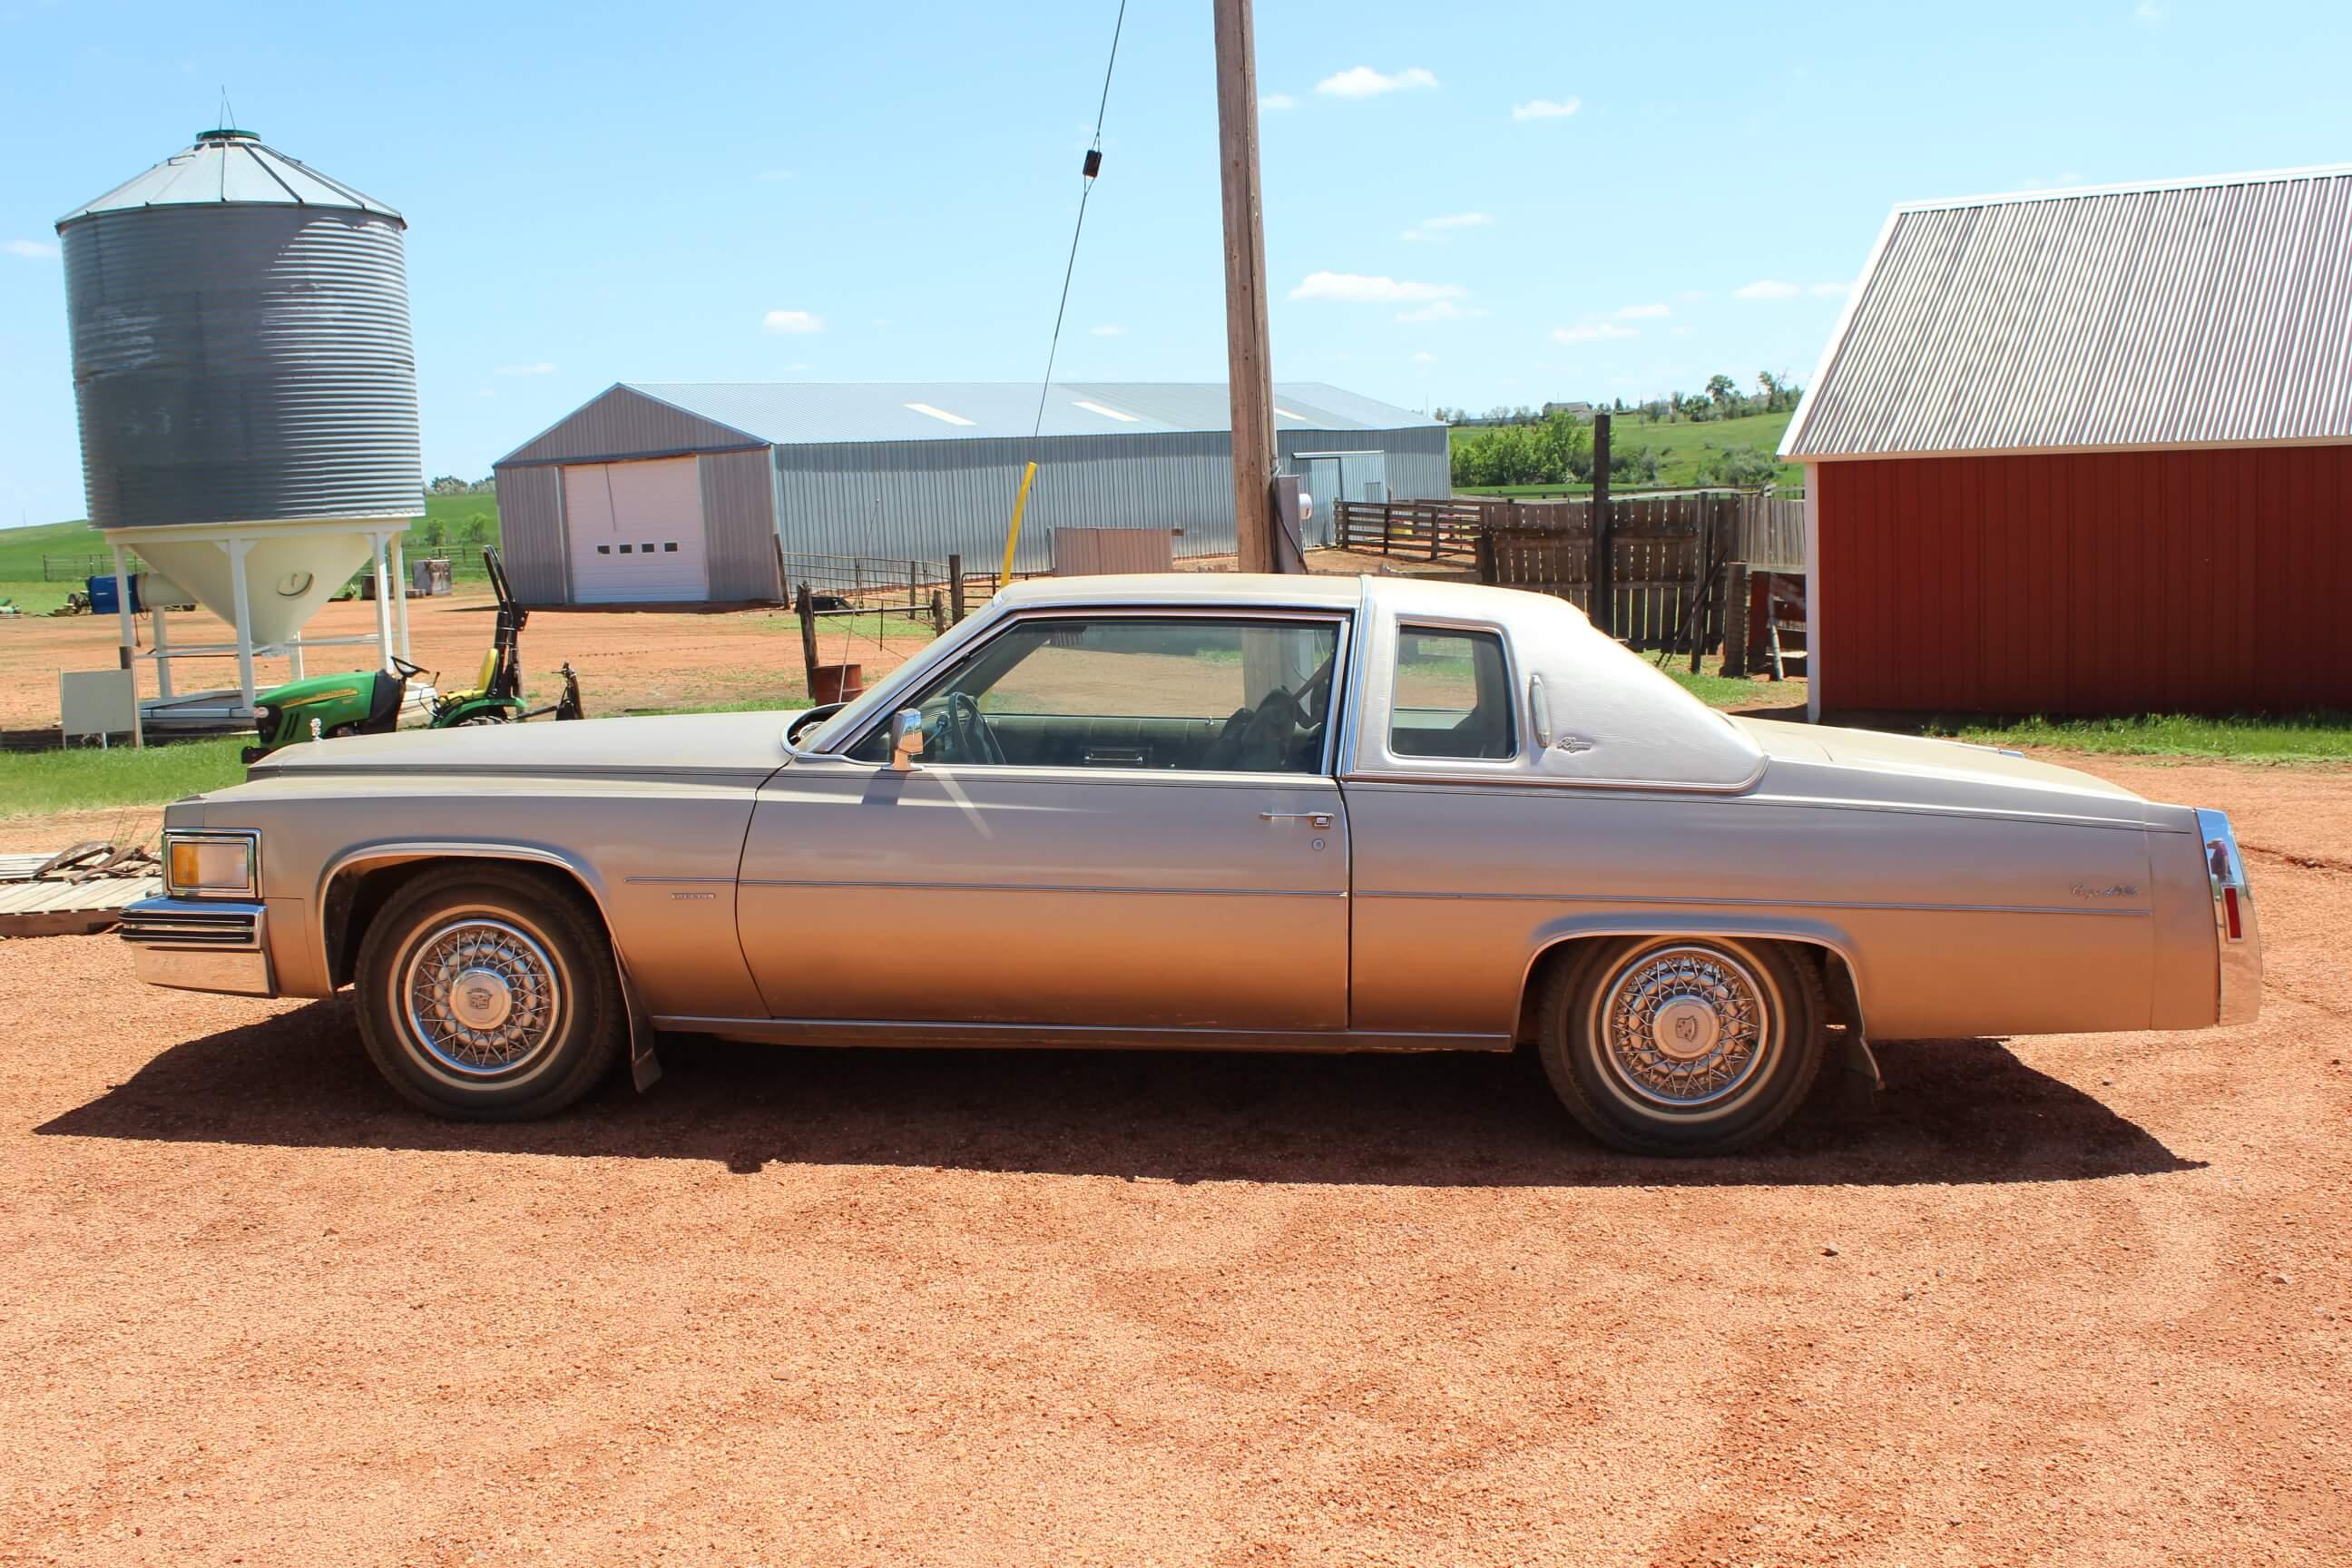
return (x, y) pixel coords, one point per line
(1452, 696)
(1188, 693)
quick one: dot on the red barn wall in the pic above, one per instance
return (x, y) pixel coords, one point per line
(2188, 582)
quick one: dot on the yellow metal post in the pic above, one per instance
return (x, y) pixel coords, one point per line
(1012, 536)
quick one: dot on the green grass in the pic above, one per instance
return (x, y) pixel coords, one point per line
(84, 778)
(1681, 447)
(1711, 687)
(2297, 738)
(36, 598)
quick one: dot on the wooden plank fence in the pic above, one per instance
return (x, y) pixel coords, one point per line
(1667, 547)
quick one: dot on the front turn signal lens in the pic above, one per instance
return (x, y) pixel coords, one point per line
(216, 866)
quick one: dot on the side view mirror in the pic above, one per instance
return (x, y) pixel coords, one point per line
(905, 737)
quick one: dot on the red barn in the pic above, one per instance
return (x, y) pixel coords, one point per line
(2089, 451)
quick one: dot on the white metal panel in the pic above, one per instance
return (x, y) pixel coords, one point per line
(635, 533)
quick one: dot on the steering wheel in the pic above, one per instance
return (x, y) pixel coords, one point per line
(406, 670)
(964, 734)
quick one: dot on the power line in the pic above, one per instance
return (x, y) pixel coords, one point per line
(1092, 166)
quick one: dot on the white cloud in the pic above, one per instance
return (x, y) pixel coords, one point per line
(791, 321)
(539, 367)
(2148, 11)
(773, 176)
(1274, 102)
(1547, 107)
(1441, 310)
(1591, 331)
(1424, 357)
(1108, 331)
(1691, 295)
(484, 392)
(1767, 289)
(1639, 312)
(1830, 290)
(1363, 82)
(31, 249)
(1678, 331)
(1439, 227)
(1357, 289)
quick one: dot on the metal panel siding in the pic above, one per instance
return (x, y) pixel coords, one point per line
(739, 524)
(2207, 313)
(531, 534)
(926, 499)
(622, 423)
(2193, 580)
(242, 363)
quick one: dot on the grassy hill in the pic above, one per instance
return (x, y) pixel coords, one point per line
(22, 549)
(1681, 445)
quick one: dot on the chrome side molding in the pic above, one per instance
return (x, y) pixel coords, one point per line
(2237, 931)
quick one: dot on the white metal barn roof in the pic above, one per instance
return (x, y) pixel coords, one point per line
(807, 413)
(2195, 313)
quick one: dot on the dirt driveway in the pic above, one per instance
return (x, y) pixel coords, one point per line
(2076, 1299)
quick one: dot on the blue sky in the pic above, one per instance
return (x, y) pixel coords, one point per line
(1466, 203)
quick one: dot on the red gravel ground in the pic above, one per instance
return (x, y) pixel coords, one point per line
(2073, 1300)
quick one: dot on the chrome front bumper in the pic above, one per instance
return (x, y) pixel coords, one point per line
(2237, 932)
(200, 945)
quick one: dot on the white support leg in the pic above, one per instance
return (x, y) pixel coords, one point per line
(294, 657)
(160, 635)
(236, 548)
(400, 591)
(383, 588)
(130, 629)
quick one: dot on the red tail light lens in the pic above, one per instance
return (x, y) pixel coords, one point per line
(2229, 914)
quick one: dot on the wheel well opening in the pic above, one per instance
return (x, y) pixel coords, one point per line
(1837, 978)
(359, 893)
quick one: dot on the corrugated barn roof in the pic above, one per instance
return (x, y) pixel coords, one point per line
(2190, 313)
(808, 413)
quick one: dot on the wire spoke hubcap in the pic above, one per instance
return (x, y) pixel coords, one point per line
(482, 996)
(1684, 1026)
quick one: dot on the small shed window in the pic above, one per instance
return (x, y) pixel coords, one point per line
(670, 548)
(1452, 697)
(604, 549)
(625, 550)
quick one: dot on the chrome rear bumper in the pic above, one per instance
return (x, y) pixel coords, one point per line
(200, 945)
(2237, 931)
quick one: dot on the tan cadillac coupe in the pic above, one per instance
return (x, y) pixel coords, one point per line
(1199, 811)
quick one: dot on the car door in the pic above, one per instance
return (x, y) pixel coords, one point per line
(1122, 820)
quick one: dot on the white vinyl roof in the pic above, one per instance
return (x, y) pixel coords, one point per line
(2196, 312)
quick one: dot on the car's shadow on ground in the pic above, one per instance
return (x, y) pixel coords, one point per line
(1955, 1111)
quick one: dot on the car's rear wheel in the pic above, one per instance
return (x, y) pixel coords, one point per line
(1682, 1045)
(489, 993)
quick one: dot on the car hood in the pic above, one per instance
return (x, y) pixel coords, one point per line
(736, 743)
(1865, 765)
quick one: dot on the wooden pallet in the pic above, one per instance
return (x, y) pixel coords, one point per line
(71, 908)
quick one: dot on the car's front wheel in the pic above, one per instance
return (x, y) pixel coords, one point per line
(1682, 1045)
(488, 992)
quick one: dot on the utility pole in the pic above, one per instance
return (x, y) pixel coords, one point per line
(1248, 365)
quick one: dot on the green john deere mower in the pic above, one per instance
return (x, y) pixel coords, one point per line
(369, 702)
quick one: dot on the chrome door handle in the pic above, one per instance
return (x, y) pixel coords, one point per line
(1312, 818)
